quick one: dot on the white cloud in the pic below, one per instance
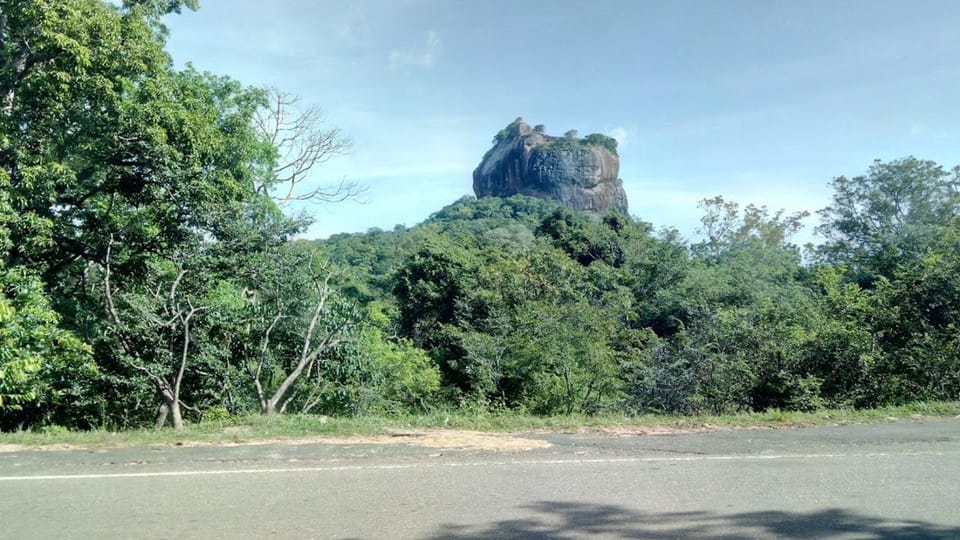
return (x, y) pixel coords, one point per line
(619, 133)
(421, 58)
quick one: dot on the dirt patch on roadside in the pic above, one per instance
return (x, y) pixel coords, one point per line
(441, 439)
(454, 439)
(6, 448)
(631, 431)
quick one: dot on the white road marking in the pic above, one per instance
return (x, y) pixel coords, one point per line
(425, 465)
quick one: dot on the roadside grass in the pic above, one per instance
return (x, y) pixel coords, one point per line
(248, 429)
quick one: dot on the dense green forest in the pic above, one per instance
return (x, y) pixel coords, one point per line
(150, 272)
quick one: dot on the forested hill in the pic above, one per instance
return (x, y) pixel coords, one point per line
(523, 304)
(149, 271)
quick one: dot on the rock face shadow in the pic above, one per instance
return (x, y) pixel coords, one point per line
(568, 520)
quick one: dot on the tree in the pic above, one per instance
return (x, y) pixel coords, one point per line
(560, 359)
(295, 320)
(599, 139)
(583, 241)
(739, 318)
(35, 352)
(101, 137)
(726, 229)
(54, 104)
(401, 377)
(115, 164)
(134, 199)
(847, 354)
(428, 286)
(918, 318)
(156, 322)
(896, 212)
(39, 359)
(895, 235)
(301, 143)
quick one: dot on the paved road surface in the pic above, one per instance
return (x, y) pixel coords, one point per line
(897, 480)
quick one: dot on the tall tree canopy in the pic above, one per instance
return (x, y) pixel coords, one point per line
(895, 213)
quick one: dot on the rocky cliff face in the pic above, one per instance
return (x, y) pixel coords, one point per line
(579, 173)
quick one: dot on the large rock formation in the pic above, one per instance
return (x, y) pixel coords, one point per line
(579, 173)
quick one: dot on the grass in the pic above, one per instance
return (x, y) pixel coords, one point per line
(253, 428)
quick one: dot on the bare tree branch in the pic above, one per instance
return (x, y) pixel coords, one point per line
(302, 143)
(185, 351)
(315, 343)
(264, 350)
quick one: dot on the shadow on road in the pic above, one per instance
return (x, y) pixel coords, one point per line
(577, 520)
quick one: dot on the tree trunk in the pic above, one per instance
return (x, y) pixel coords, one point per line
(269, 407)
(173, 405)
(176, 417)
(162, 412)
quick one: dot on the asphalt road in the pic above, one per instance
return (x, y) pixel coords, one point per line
(897, 480)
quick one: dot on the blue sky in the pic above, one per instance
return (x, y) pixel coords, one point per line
(760, 101)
